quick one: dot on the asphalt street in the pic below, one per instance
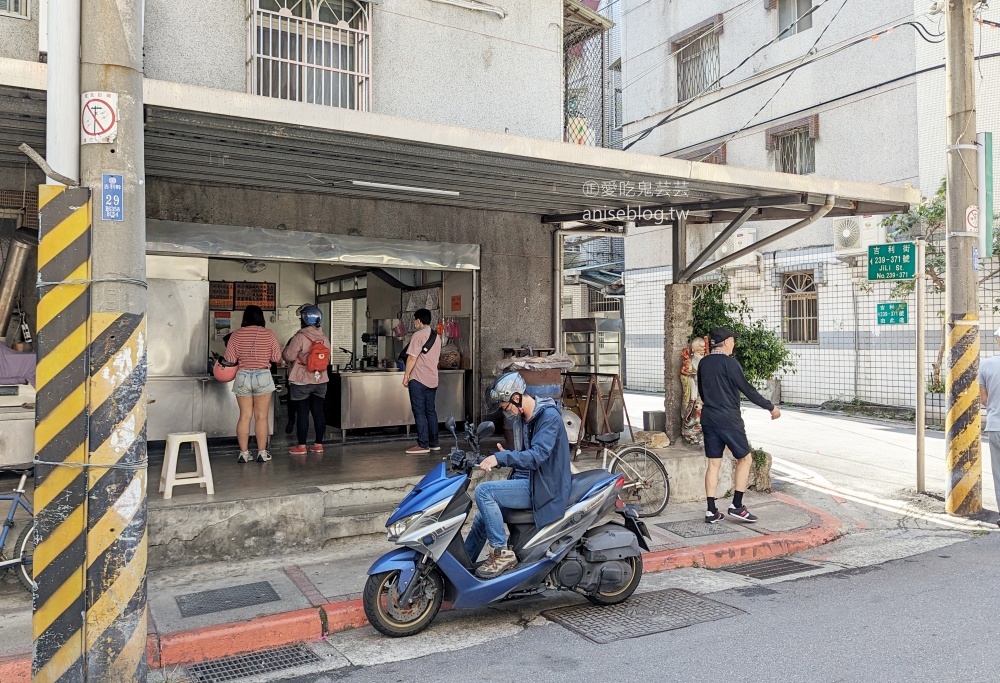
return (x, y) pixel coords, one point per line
(928, 617)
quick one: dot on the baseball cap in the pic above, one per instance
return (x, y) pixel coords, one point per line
(720, 335)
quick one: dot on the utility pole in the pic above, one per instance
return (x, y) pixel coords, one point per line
(90, 435)
(963, 479)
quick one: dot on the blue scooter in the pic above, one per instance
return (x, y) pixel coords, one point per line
(582, 552)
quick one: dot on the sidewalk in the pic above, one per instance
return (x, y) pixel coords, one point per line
(211, 611)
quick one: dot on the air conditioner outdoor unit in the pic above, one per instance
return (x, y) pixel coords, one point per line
(739, 240)
(853, 235)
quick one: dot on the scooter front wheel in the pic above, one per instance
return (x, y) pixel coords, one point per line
(388, 616)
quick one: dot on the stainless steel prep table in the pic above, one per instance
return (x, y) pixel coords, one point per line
(361, 400)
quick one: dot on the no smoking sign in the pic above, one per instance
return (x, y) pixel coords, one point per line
(98, 117)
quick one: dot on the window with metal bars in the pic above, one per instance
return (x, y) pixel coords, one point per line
(599, 303)
(794, 17)
(796, 152)
(315, 51)
(17, 8)
(800, 308)
(698, 66)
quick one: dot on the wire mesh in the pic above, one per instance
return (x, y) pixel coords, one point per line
(855, 358)
(585, 97)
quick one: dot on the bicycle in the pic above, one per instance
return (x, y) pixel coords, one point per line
(24, 546)
(646, 481)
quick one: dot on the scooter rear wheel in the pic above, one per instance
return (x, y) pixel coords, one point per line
(384, 612)
(623, 594)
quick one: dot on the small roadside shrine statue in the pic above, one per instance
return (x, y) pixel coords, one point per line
(690, 400)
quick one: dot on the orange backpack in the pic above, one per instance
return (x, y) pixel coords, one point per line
(318, 358)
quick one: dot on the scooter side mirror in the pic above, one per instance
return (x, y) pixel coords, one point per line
(484, 429)
(450, 423)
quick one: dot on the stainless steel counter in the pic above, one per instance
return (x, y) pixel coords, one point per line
(361, 400)
(194, 404)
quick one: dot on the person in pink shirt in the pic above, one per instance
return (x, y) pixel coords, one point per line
(421, 378)
(253, 347)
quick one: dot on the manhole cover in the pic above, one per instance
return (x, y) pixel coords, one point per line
(232, 597)
(691, 529)
(262, 662)
(640, 615)
(770, 569)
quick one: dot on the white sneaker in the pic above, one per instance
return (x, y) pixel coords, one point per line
(263, 456)
(245, 457)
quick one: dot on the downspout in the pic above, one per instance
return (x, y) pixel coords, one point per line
(558, 242)
(14, 267)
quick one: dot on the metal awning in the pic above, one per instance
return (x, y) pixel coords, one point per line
(202, 135)
(581, 22)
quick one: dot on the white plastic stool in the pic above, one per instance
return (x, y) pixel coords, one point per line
(170, 477)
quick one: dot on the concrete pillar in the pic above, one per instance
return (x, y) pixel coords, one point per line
(677, 315)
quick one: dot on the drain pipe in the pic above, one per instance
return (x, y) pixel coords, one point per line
(13, 273)
(558, 243)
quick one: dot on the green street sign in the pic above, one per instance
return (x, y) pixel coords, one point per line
(892, 314)
(896, 261)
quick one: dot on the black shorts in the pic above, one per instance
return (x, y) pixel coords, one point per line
(718, 438)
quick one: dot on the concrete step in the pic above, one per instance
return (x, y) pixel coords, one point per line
(356, 520)
(367, 492)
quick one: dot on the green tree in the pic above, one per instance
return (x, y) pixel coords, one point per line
(759, 349)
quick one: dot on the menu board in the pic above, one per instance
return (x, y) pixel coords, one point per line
(220, 296)
(255, 294)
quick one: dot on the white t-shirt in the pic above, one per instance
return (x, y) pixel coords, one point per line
(989, 377)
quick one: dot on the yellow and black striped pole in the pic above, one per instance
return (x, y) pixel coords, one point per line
(963, 461)
(61, 416)
(90, 561)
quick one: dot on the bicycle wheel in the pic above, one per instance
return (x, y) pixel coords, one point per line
(646, 481)
(25, 550)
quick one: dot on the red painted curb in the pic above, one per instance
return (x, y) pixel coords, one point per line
(750, 549)
(16, 669)
(224, 640)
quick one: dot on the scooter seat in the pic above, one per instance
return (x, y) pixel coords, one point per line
(519, 517)
(583, 482)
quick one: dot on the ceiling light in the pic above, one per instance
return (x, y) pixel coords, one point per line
(404, 188)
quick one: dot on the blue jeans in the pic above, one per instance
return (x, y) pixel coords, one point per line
(511, 494)
(422, 402)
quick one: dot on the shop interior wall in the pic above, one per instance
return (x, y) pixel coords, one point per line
(295, 285)
(516, 256)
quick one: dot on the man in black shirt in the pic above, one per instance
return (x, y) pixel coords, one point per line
(720, 382)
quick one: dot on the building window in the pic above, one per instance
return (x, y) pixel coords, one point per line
(698, 66)
(315, 51)
(794, 17)
(17, 8)
(800, 308)
(796, 153)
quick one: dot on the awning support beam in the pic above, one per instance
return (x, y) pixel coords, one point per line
(764, 241)
(685, 275)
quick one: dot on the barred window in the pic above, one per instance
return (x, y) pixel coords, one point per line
(796, 152)
(698, 66)
(794, 17)
(800, 308)
(316, 51)
(17, 8)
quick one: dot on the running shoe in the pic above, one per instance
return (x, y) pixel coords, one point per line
(741, 514)
(714, 517)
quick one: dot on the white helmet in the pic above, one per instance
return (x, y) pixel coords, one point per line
(504, 388)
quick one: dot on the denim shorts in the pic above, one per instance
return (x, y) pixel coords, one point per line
(253, 383)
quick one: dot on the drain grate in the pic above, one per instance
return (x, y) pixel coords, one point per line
(691, 529)
(221, 599)
(770, 569)
(640, 615)
(262, 662)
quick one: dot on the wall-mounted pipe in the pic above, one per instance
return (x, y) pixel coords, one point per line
(14, 267)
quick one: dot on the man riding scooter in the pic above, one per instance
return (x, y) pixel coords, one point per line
(541, 481)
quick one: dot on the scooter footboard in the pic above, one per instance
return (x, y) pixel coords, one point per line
(403, 560)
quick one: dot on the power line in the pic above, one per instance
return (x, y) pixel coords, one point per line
(833, 100)
(645, 133)
(787, 78)
(677, 114)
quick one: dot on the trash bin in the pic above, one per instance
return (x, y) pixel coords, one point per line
(654, 420)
